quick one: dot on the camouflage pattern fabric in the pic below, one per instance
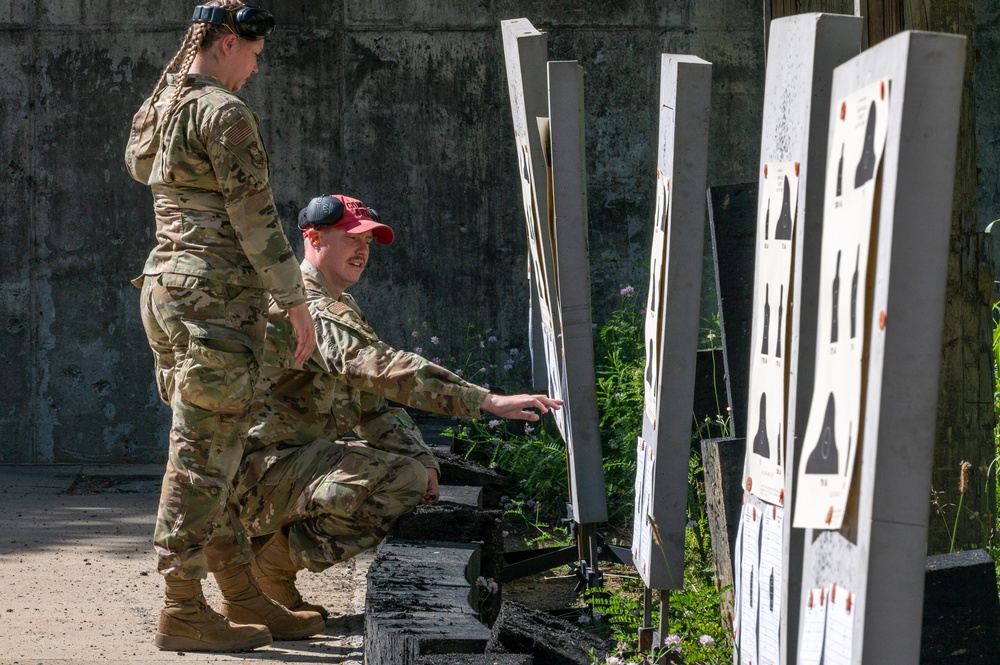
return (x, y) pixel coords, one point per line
(215, 212)
(206, 338)
(220, 249)
(338, 498)
(305, 403)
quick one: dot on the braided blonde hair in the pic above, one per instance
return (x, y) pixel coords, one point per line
(199, 36)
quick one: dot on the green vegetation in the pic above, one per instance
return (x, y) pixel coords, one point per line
(533, 456)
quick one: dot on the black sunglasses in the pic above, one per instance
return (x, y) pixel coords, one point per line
(248, 22)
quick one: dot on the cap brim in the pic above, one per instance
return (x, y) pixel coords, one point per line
(383, 234)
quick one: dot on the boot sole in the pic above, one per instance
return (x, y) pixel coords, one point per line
(299, 634)
(181, 643)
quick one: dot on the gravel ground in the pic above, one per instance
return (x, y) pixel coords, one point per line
(79, 584)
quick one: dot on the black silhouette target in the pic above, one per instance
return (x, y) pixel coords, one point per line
(834, 323)
(823, 458)
(783, 229)
(761, 445)
(866, 164)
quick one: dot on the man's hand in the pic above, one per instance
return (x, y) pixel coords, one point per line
(516, 407)
(305, 333)
(433, 493)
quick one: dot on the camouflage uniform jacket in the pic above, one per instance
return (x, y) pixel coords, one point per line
(215, 213)
(305, 403)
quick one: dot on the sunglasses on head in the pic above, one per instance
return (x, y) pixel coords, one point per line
(248, 22)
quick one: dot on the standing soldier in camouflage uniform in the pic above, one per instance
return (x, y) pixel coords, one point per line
(220, 250)
(310, 500)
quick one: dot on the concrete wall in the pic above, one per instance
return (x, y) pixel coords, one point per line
(402, 102)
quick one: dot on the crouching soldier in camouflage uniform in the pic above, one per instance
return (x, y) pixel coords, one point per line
(220, 250)
(310, 499)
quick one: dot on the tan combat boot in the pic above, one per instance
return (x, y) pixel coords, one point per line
(187, 623)
(245, 603)
(275, 573)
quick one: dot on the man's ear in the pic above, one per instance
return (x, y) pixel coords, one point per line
(312, 236)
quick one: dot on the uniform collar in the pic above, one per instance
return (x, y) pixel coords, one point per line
(314, 279)
(196, 79)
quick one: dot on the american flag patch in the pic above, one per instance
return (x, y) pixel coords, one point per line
(239, 132)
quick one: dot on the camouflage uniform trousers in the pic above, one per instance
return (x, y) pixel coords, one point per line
(206, 337)
(336, 499)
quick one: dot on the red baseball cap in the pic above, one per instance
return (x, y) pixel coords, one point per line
(344, 212)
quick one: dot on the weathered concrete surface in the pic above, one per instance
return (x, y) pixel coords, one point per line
(80, 585)
(399, 101)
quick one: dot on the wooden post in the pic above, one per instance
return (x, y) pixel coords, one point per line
(965, 411)
(525, 52)
(569, 211)
(804, 51)
(672, 321)
(878, 558)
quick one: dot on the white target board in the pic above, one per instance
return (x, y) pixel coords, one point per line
(766, 435)
(671, 326)
(831, 441)
(894, 118)
(803, 51)
(547, 110)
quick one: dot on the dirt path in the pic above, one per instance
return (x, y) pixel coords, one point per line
(78, 581)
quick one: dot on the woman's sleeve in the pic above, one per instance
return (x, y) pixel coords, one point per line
(240, 163)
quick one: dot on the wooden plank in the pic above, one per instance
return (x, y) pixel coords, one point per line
(722, 460)
(965, 414)
(525, 53)
(569, 208)
(805, 49)
(685, 90)
(879, 555)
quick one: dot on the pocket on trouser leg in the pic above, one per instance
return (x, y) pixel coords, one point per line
(341, 492)
(165, 369)
(217, 380)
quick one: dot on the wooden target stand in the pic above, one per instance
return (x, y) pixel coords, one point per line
(548, 114)
(671, 336)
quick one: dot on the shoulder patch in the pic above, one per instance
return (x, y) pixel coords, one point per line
(239, 132)
(338, 308)
(256, 154)
(347, 317)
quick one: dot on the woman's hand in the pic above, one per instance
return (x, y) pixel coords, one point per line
(305, 332)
